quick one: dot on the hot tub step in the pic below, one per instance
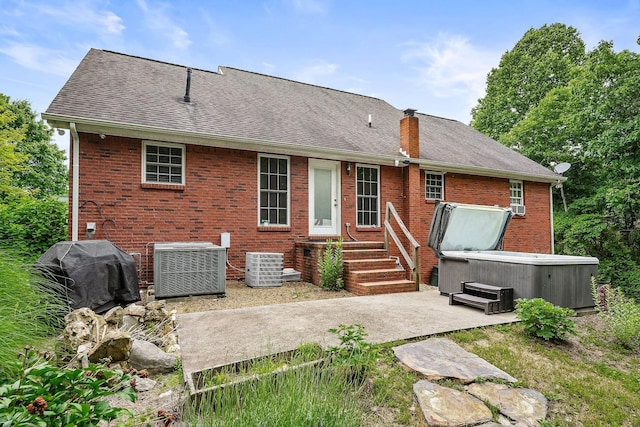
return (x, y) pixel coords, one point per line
(501, 293)
(490, 306)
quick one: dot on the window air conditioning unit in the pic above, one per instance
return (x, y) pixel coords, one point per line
(263, 269)
(190, 268)
(518, 209)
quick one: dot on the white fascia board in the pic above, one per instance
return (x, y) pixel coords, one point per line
(273, 147)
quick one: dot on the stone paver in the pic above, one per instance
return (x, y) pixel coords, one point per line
(438, 358)
(525, 406)
(443, 406)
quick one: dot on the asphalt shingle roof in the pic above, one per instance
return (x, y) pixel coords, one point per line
(118, 88)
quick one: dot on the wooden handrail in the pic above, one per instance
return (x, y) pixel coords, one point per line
(414, 261)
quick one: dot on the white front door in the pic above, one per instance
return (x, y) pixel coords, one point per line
(324, 197)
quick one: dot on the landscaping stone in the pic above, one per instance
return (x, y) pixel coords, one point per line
(135, 310)
(443, 406)
(525, 406)
(114, 316)
(156, 311)
(438, 358)
(144, 384)
(129, 322)
(146, 355)
(115, 346)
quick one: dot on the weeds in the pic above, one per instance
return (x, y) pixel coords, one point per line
(330, 265)
(620, 314)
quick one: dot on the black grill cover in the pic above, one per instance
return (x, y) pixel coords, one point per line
(96, 273)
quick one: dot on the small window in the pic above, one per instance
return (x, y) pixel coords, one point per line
(434, 186)
(516, 193)
(163, 163)
(273, 178)
(367, 195)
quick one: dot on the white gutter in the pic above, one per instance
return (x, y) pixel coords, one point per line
(274, 147)
(75, 187)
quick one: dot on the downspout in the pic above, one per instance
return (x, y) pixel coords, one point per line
(553, 243)
(75, 187)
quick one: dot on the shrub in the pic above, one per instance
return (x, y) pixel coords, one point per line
(31, 226)
(46, 395)
(330, 265)
(542, 319)
(620, 314)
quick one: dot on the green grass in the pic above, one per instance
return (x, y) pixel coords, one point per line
(312, 396)
(586, 382)
(30, 309)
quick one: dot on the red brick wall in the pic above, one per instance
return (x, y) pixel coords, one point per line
(221, 195)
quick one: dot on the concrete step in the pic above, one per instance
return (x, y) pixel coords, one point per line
(382, 287)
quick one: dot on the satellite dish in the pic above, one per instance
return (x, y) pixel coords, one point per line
(561, 168)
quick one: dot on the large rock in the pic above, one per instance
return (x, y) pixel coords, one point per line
(146, 355)
(115, 346)
(443, 406)
(525, 406)
(438, 358)
(83, 325)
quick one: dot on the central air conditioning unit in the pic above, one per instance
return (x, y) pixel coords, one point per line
(263, 269)
(190, 268)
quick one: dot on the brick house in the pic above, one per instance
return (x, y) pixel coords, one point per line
(163, 153)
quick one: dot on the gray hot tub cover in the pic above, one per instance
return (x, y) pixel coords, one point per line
(96, 273)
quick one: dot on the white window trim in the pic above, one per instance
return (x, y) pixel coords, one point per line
(521, 184)
(428, 172)
(377, 198)
(163, 144)
(288, 159)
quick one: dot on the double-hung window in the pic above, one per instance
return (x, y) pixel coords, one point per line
(163, 163)
(367, 194)
(273, 178)
(516, 197)
(434, 186)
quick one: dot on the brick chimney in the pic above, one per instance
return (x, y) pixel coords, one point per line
(409, 134)
(412, 191)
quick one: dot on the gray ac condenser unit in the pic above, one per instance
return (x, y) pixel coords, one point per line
(263, 269)
(189, 268)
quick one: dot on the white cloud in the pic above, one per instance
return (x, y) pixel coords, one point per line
(451, 66)
(320, 69)
(159, 21)
(83, 14)
(39, 58)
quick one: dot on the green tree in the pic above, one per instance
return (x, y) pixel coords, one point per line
(543, 59)
(30, 161)
(593, 123)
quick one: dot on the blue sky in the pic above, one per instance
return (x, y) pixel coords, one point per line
(424, 54)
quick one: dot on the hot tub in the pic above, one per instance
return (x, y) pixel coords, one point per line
(465, 239)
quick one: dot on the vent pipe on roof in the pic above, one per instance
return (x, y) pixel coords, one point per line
(187, 98)
(369, 120)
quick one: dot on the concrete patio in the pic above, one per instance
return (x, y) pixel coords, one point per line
(217, 338)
